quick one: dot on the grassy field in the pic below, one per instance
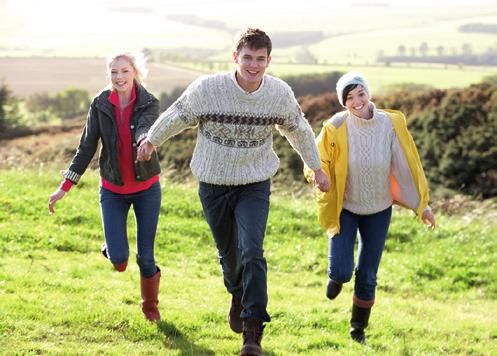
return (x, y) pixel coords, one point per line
(381, 77)
(373, 29)
(437, 291)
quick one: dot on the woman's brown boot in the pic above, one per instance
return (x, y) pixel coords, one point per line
(150, 294)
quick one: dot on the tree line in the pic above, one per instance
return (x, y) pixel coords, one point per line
(440, 54)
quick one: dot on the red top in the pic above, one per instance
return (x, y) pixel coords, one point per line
(126, 165)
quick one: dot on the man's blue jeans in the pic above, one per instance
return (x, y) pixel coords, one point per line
(373, 230)
(237, 216)
(115, 208)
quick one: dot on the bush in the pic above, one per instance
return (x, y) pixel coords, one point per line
(313, 84)
(67, 104)
(456, 140)
(167, 99)
(4, 96)
(10, 117)
(71, 102)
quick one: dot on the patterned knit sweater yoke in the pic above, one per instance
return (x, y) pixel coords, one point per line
(370, 156)
(234, 143)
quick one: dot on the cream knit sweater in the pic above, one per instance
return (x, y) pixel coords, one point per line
(234, 141)
(372, 146)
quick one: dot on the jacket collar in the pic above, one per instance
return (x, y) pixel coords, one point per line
(114, 97)
(143, 98)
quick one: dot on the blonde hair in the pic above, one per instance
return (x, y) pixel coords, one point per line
(137, 61)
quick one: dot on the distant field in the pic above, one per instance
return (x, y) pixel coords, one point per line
(354, 35)
(376, 29)
(25, 76)
(379, 76)
(364, 46)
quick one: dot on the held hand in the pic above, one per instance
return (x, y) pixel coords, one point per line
(321, 180)
(429, 219)
(57, 195)
(145, 150)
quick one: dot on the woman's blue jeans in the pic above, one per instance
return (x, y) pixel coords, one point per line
(373, 230)
(237, 216)
(146, 207)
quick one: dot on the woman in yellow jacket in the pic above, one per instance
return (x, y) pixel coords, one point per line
(372, 162)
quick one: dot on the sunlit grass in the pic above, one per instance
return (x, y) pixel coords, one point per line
(436, 291)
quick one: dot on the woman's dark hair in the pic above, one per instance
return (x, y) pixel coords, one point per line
(347, 90)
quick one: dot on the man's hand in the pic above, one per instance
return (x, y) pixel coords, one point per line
(145, 150)
(321, 180)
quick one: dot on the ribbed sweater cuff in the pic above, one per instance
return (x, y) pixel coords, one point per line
(72, 176)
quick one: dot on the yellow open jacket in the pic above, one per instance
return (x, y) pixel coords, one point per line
(333, 149)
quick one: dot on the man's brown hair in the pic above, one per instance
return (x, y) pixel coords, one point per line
(253, 38)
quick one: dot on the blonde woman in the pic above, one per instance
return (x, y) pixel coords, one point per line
(119, 118)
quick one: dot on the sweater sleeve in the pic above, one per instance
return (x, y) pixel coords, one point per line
(178, 117)
(323, 142)
(299, 133)
(87, 147)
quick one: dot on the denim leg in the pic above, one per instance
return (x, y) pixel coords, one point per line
(146, 205)
(251, 214)
(373, 232)
(114, 209)
(220, 216)
(341, 248)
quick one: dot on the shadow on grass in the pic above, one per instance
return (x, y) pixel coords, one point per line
(176, 340)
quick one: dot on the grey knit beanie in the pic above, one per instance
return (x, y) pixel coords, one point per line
(348, 79)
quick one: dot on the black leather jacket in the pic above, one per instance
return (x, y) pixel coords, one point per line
(101, 125)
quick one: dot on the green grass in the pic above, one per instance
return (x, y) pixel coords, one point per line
(437, 291)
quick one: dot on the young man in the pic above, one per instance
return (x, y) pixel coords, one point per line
(234, 161)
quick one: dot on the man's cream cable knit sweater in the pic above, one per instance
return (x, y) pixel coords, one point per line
(235, 143)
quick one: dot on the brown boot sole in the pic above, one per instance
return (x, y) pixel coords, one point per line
(251, 350)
